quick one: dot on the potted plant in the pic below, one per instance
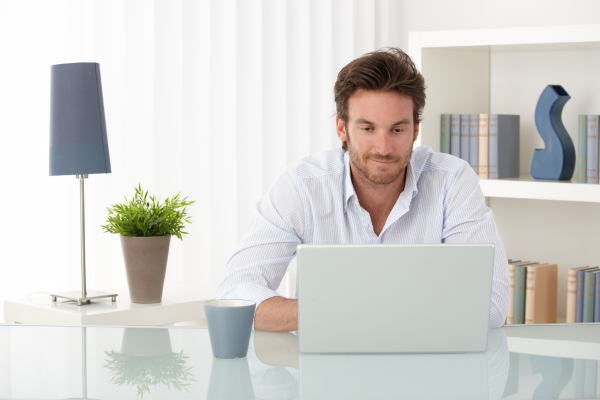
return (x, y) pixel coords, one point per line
(146, 227)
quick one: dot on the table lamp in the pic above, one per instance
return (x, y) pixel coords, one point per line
(78, 142)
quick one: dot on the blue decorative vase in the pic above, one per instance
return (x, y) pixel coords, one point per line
(557, 160)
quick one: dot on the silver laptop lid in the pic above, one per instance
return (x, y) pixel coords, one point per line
(412, 298)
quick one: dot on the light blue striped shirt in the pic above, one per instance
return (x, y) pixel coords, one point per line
(314, 202)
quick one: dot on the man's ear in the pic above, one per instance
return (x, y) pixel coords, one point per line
(340, 128)
(416, 135)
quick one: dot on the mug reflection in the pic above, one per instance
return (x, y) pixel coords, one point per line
(230, 379)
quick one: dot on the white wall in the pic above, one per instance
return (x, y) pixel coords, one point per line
(197, 93)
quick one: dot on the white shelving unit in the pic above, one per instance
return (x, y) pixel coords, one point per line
(504, 71)
(466, 71)
(526, 187)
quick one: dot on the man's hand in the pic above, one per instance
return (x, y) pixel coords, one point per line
(277, 314)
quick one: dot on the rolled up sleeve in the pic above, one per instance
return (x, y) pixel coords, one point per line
(467, 219)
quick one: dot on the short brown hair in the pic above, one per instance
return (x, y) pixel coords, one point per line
(388, 69)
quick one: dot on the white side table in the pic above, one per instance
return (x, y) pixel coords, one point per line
(181, 305)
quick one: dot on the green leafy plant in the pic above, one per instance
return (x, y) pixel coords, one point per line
(146, 371)
(144, 216)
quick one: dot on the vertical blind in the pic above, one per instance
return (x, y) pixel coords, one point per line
(210, 98)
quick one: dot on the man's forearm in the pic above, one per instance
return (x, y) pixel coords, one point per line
(277, 314)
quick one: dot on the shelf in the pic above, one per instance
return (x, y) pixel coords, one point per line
(564, 341)
(504, 71)
(526, 187)
(542, 38)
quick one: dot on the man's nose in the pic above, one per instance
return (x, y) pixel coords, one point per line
(383, 143)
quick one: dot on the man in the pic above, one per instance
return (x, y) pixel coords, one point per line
(373, 190)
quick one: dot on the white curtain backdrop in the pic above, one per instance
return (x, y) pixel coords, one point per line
(213, 98)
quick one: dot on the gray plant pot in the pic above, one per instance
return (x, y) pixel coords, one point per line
(146, 265)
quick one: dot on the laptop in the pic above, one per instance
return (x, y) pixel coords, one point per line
(399, 298)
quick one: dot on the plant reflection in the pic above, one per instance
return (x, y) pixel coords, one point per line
(146, 360)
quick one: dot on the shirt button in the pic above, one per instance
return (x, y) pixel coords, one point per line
(366, 224)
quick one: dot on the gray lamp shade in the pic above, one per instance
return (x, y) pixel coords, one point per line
(78, 141)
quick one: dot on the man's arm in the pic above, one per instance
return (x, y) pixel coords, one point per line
(277, 314)
(467, 219)
(256, 269)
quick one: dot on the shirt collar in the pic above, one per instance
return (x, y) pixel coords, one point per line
(410, 185)
(348, 188)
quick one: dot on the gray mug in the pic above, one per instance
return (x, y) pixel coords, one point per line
(229, 326)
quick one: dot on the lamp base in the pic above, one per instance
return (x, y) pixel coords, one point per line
(90, 295)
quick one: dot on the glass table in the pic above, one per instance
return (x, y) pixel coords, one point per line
(58, 362)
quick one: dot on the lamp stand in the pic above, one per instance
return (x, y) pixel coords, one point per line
(84, 296)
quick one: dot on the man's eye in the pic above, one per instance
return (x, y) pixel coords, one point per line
(399, 130)
(367, 128)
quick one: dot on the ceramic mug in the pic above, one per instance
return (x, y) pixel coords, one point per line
(229, 326)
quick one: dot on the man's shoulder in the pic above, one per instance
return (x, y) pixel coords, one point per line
(424, 159)
(318, 165)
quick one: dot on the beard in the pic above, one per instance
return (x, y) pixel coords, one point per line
(379, 175)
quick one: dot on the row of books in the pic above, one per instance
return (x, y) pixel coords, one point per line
(583, 294)
(587, 162)
(532, 293)
(489, 143)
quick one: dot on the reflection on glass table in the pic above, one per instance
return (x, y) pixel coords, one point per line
(521, 362)
(146, 359)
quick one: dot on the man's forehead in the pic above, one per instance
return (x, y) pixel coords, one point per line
(360, 120)
(360, 93)
(378, 106)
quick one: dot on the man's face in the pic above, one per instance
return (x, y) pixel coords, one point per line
(380, 133)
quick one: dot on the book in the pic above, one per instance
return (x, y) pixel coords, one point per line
(504, 145)
(589, 288)
(540, 304)
(455, 135)
(445, 134)
(483, 146)
(511, 298)
(592, 149)
(597, 300)
(464, 137)
(579, 300)
(582, 150)
(474, 142)
(572, 293)
(519, 294)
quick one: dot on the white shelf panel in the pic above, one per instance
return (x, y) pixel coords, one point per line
(566, 340)
(526, 187)
(555, 348)
(510, 36)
